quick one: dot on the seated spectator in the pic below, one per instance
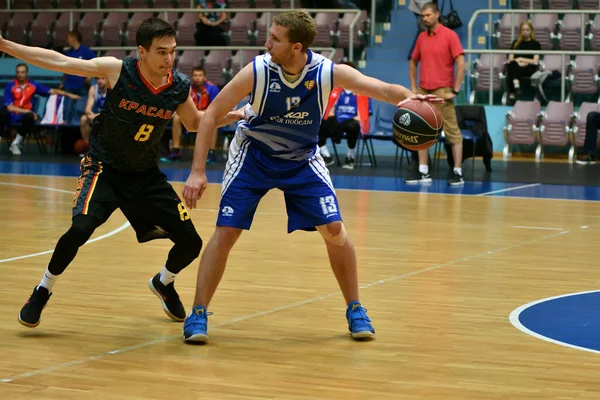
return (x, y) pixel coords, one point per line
(592, 124)
(209, 30)
(73, 83)
(346, 112)
(18, 97)
(95, 102)
(525, 65)
(203, 93)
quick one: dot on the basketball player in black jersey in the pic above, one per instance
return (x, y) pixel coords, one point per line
(121, 168)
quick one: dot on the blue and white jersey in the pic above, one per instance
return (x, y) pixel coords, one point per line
(98, 100)
(282, 118)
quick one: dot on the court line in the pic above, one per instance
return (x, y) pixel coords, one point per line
(542, 228)
(41, 253)
(514, 320)
(509, 189)
(272, 310)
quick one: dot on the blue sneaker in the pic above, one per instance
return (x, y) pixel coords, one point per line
(196, 325)
(359, 324)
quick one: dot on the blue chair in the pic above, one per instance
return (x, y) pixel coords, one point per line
(383, 120)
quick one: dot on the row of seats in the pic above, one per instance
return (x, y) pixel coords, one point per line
(46, 4)
(551, 31)
(48, 29)
(557, 125)
(555, 4)
(582, 76)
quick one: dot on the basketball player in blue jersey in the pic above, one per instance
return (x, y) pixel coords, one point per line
(276, 147)
(121, 168)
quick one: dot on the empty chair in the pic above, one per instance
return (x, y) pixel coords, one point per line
(262, 3)
(163, 4)
(4, 19)
(113, 3)
(171, 17)
(560, 4)
(188, 60)
(241, 59)
(138, 4)
(594, 35)
(338, 57)
(526, 4)
(555, 126)
(21, 4)
(344, 30)
(579, 124)
(233, 4)
(481, 79)
(215, 65)
(88, 4)
(570, 33)
(134, 23)
(120, 54)
(241, 28)
(588, 4)
(61, 29)
(113, 29)
(326, 23)
(186, 29)
(89, 27)
(18, 27)
(262, 27)
(521, 125)
(583, 77)
(41, 29)
(545, 27)
(506, 31)
(46, 4)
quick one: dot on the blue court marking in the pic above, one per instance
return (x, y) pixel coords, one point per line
(571, 320)
(355, 182)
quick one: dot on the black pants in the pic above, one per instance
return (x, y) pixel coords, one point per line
(331, 128)
(209, 35)
(26, 123)
(592, 124)
(146, 199)
(515, 71)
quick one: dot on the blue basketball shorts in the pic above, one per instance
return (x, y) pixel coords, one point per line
(250, 173)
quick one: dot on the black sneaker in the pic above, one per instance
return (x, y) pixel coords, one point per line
(348, 163)
(586, 159)
(32, 310)
(328, 160)
(169, 298)
(416, 176)
(455, 179)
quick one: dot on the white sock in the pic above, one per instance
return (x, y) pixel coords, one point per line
(325, 151)
(166, 276)
(424, 169)
(350, 153)
(48, 280)
(17, 140)
(458, 171)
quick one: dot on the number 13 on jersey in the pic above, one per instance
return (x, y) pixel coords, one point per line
(143, 133)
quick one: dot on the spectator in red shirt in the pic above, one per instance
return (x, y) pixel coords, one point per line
(203, 92)
(18, 96)
(437, 50)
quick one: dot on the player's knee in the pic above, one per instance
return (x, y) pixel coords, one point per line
(334, 233)
(82, 228)
(226, 236)
(190, 243)
(83, 120)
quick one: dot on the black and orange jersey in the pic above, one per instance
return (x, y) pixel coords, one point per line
(127, 133)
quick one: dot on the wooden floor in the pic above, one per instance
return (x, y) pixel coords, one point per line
(441, 274)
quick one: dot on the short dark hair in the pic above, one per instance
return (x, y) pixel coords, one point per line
(199, 68)
(76, 35)
(153, 28)
(432, 6)
(22, 65)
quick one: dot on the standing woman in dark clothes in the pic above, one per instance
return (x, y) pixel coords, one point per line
(525, 65)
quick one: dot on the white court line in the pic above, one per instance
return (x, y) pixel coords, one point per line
(41, 253)
(514, 319)
(271, 310)
(509, 189)
(541, 228)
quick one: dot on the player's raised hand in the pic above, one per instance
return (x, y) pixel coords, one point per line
(431, 98)
(193, 189)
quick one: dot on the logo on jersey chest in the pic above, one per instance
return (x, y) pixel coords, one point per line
(309, 84)
(144, 109)
(274, 87)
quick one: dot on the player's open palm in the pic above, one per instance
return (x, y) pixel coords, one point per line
(194, 186)
(431, 98)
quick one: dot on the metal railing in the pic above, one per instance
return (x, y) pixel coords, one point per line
(164, 12)
(470, 51)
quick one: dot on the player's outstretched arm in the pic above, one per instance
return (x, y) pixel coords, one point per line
(109, 67)
(225, 101)
(349, 78)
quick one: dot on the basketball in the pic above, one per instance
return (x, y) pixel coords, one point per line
(80, 147)
(417, 125)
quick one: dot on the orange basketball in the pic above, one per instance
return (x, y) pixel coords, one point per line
(417, 125)
(80, 146)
